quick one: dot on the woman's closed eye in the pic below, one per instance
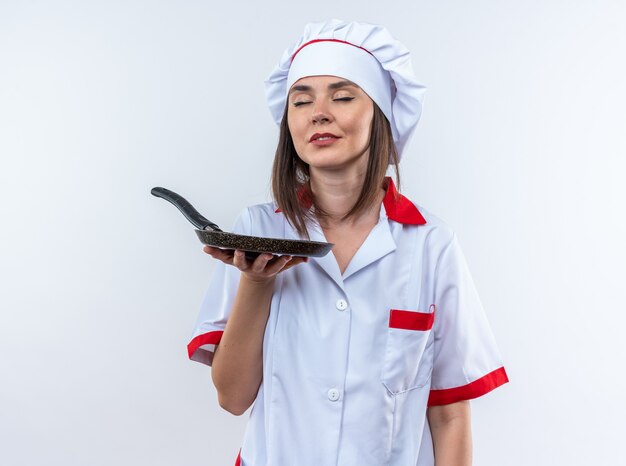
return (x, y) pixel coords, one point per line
(343, 99)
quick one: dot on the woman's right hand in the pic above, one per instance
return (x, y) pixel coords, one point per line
(262, 269)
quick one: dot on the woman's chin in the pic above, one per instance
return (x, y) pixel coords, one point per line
(334, 162)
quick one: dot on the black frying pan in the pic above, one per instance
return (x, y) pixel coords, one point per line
(211, 235)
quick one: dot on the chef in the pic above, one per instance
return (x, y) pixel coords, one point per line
(369, 355)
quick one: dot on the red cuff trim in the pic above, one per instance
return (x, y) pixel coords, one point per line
(472, 390)
(211, 338)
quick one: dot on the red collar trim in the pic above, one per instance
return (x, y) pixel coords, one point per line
(398, 208)
(303, 197)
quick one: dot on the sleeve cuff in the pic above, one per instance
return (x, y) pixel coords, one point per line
(202, 347)
(472, 390)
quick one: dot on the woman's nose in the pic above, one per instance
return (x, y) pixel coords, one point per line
(319, 117)
(320, 113)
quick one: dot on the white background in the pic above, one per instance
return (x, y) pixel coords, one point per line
(520, 149)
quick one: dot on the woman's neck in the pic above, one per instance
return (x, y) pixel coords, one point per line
(336, 193)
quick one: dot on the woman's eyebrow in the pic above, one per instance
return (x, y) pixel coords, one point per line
(331, 86)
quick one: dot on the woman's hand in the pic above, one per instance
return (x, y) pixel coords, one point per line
(262, 269)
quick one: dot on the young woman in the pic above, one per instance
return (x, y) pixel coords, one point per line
(367, 356)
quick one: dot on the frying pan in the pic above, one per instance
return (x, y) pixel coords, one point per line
(210, 234)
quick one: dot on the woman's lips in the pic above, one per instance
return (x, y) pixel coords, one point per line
(324, 141)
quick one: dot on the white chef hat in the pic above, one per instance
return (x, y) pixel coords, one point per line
(364, 53)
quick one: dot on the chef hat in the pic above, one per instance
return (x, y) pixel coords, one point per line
(366, 54)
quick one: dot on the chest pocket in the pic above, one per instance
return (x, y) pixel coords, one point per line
(408, 357)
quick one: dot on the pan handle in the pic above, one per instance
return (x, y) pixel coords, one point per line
(185, 207)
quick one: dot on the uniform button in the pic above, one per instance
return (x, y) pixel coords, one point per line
(333, 394)
(342, 304)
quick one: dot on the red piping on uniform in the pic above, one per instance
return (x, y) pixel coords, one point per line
(327, 40)
(472, 390)
(238, 460)
(210, 338)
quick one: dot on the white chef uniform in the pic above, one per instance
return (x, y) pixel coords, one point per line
(351, 362)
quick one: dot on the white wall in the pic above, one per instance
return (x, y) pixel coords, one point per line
(521, 149)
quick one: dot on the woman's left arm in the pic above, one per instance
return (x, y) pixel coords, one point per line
(451, 429)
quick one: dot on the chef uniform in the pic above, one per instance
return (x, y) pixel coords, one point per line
(352, 361)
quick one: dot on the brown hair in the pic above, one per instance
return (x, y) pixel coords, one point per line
(290, 175)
